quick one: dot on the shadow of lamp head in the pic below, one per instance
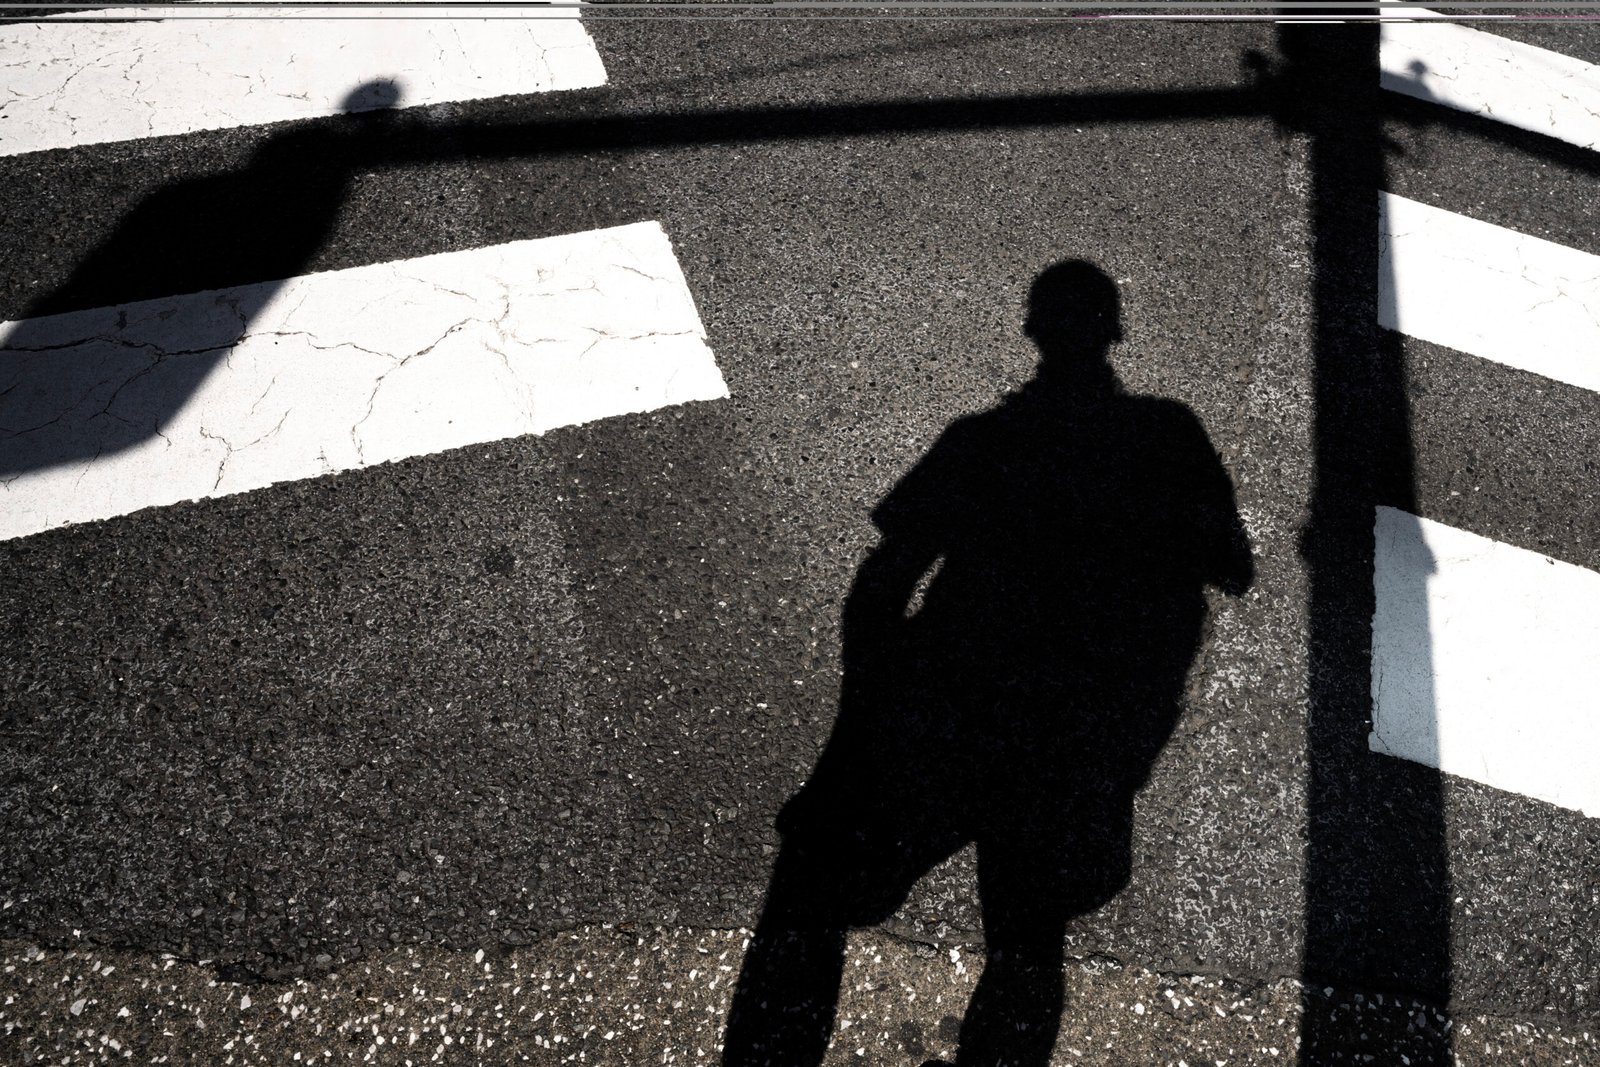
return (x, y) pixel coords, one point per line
(377, 95)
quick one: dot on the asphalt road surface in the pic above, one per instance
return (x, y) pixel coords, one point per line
(489, 744)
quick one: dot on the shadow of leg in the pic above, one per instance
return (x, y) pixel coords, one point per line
(833, 873)
(1015, 1010)
(783, 1006)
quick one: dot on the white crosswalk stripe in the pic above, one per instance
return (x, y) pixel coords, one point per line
(1489, 291)
(1486, 657)
(1470, 70)
(1486, 661)
(232, 390)
(82, 83)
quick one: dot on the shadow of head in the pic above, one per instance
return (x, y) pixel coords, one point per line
(1074, 314)
(376, 95)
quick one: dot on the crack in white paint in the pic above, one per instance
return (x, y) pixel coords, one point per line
(1484, 74)
(340, 370)
(232, 449)
(1489, 291)
(73, 83)
(1486, 661)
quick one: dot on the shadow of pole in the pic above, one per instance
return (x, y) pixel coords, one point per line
(1377, 878)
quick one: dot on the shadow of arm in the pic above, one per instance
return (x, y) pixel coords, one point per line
(1224, 545)
(876, 606)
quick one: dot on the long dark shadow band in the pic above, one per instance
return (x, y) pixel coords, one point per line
(1377, 885)
(744, 125)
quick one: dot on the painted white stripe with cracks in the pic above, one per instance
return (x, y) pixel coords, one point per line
(1486, 661)
(1489, 291)
(1484, 74)
(77, 83)
(106, 411)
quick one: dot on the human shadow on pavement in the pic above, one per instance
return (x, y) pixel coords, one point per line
(1015, 651)
(90, 371)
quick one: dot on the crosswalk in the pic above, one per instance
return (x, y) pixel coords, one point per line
(457, 691)
(1484, 655)
(231, 390)
(109, 410)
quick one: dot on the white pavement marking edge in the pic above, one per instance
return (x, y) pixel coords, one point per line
(1481, 73)
(1486, 661)
(77, 83)
(115, 409)
(1489, 291)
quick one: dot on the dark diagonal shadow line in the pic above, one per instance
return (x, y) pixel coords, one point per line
(1537, 146)
(688, 129)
